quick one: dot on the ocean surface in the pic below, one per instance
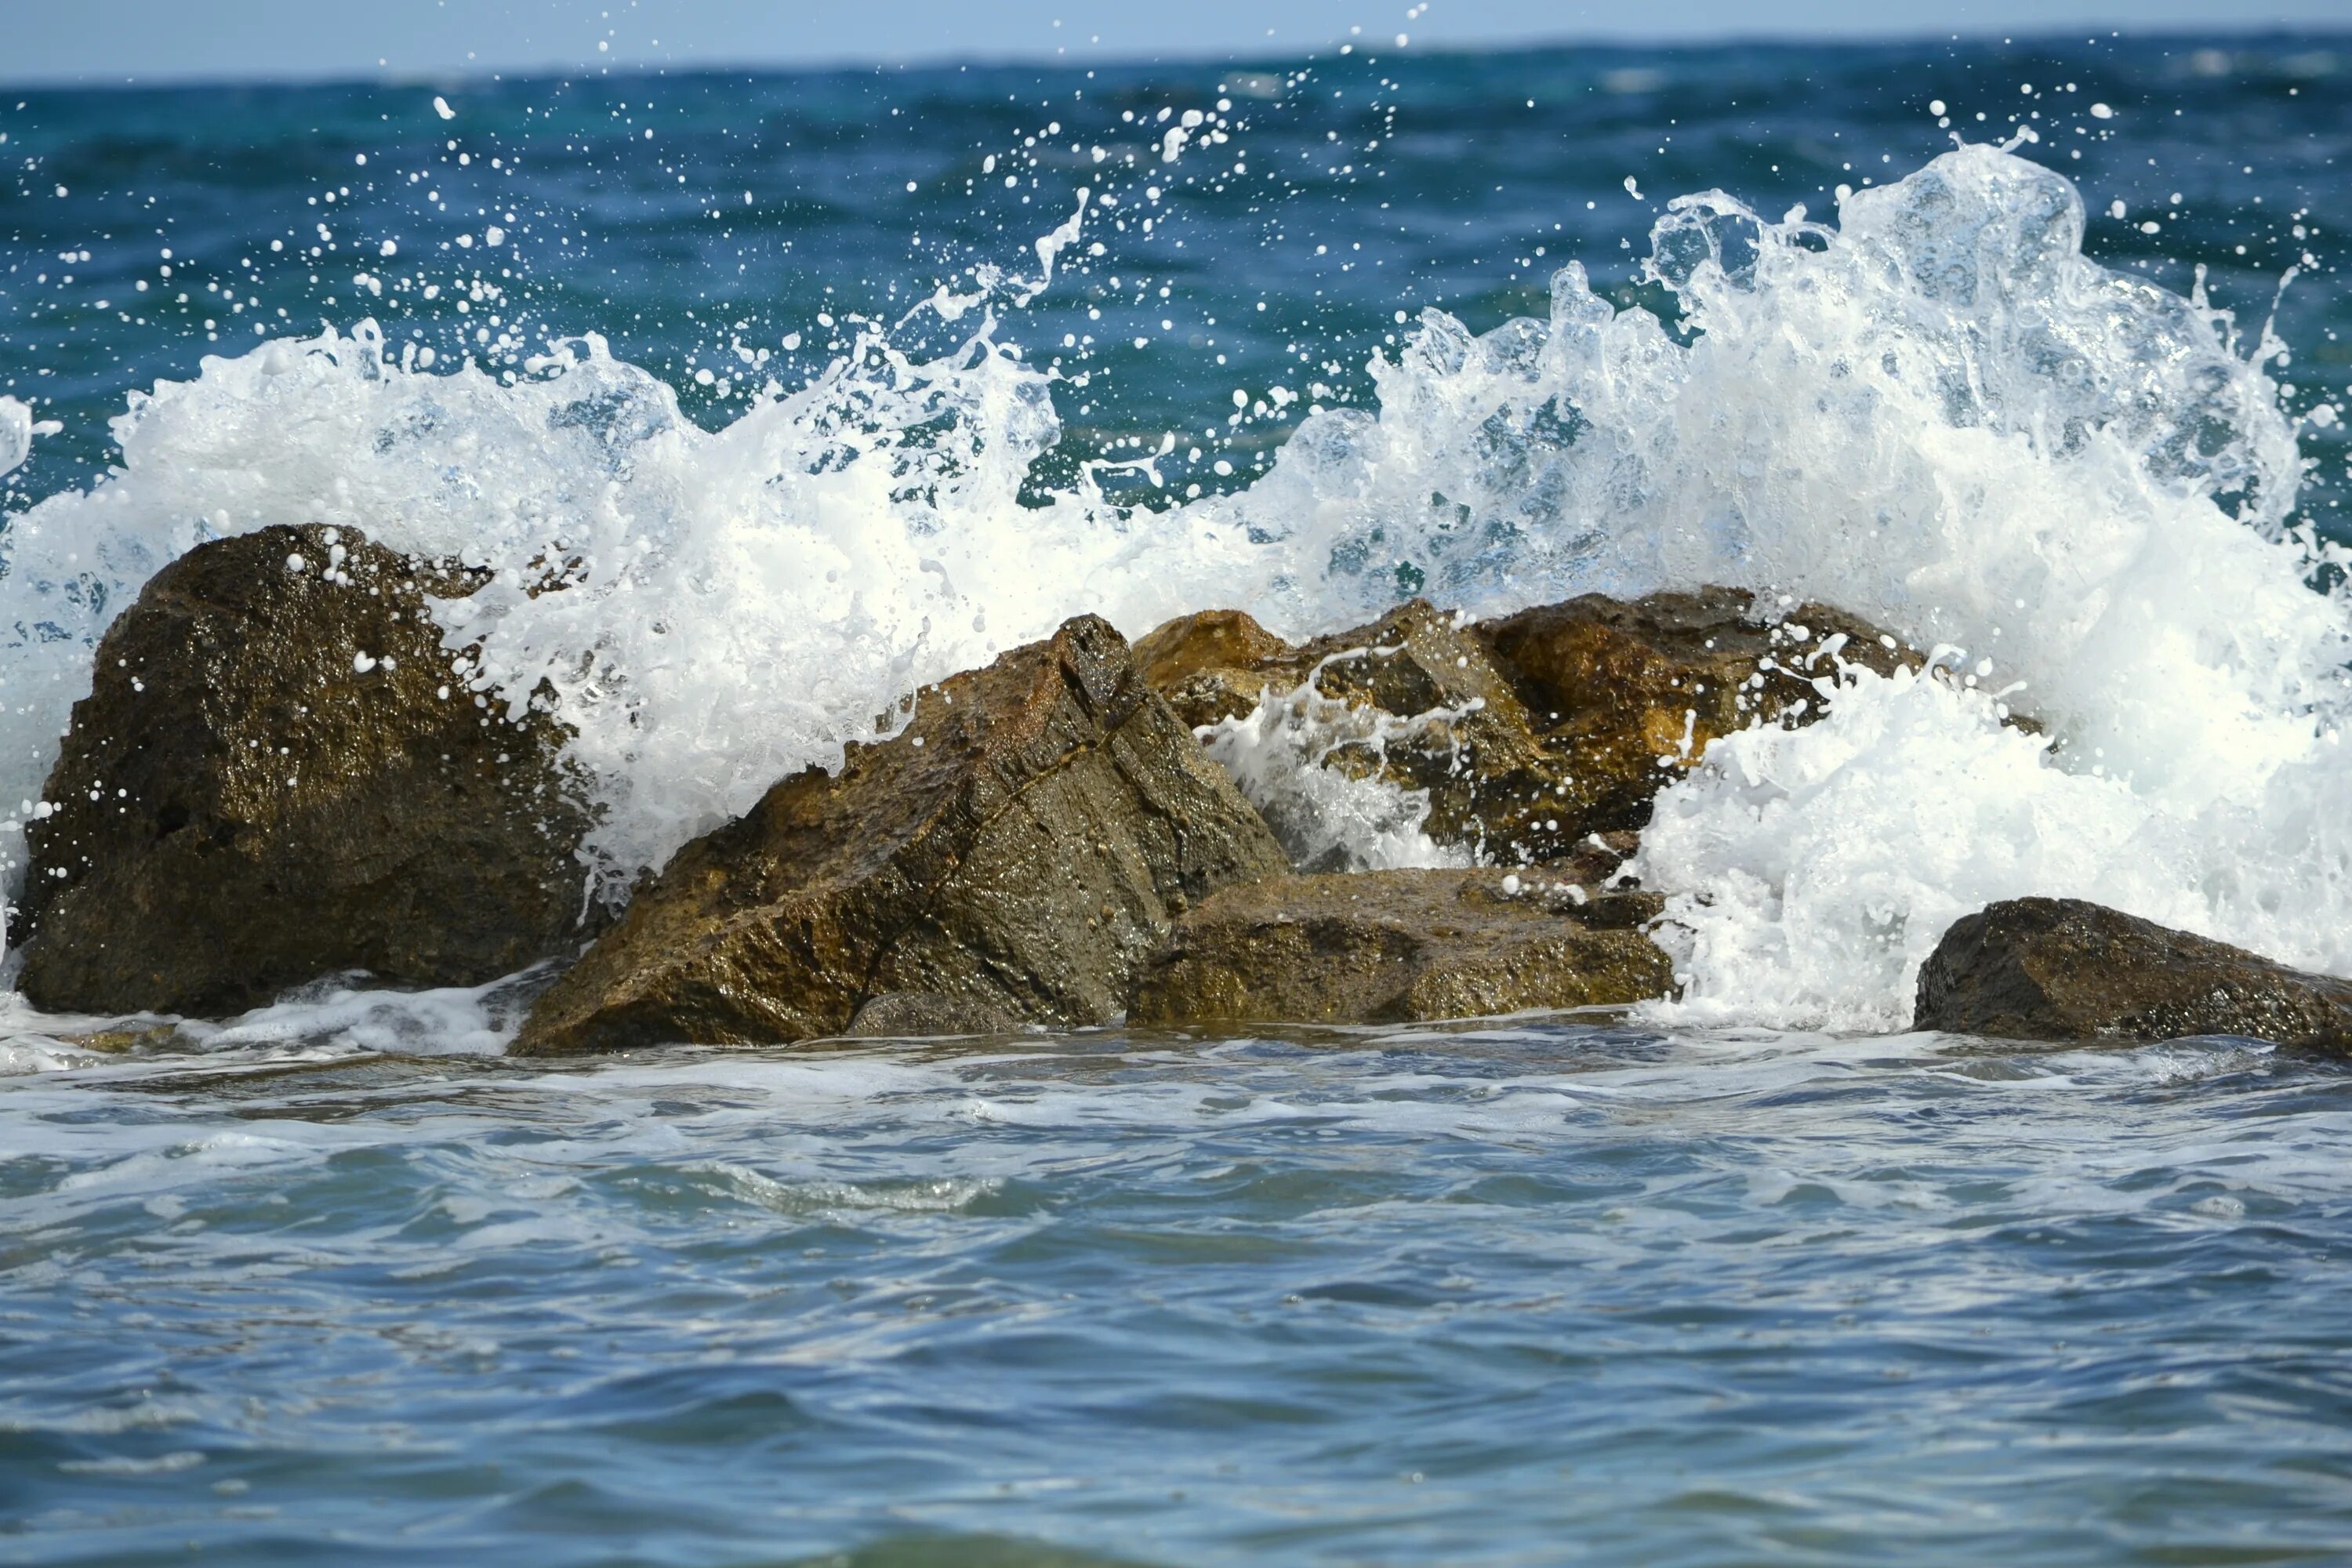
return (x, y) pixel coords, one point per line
(831, 383)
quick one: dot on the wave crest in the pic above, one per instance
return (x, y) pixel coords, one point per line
(1940, 414)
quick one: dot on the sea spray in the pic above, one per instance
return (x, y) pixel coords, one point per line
(725, 607)
(1332, 817)
(17, 429)
(1938, 414)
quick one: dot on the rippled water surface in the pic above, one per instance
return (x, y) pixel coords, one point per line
(336, 1283)
(1503, 1295)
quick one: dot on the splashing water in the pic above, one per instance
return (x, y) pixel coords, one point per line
(1330, 817)
(17, 429)
(1940, 414)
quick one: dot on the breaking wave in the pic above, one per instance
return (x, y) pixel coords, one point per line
(1939, 413)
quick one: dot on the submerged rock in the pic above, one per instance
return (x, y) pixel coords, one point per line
(1013, 857)
(2062, 969)
(1630, 692)
(274, 777)
(1529, 734)
(1395, 946)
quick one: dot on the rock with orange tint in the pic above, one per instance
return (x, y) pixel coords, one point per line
(1529, 735)
(1632, 692)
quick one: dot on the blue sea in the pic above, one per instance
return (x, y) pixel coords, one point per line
(846, 378)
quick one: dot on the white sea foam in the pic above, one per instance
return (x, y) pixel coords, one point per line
(737, 604)
(1328, 818)
(1938, 414)
(331, 1014)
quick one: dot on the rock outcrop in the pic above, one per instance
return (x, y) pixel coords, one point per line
(2061, 969)
(1013, 856)
(276, 777)
(1216, 664)
(1632, 692)
(1448, 723)
(1530, 734)
(1396, 946)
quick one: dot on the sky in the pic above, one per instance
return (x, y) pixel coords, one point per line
(97, 41)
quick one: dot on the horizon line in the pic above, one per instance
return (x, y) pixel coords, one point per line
(842, 65)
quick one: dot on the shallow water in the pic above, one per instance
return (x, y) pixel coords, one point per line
(1510, 1294)
(335, 1283)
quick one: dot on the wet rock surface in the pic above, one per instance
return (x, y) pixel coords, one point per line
(1449, 725)
(275, 777)
(2062, 969)
(1630, 692)
(1215, 664)
(1530, 734)
(1397, 946)
(1013, 857)
(927, 1014)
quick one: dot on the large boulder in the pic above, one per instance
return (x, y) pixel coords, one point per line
(276, 776)
(2062, 969)
(1393, 946)
(1631, 692)
(1013, 856)
(1531, 733)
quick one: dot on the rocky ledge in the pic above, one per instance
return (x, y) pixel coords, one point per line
(1529, 734)
(1013, 856)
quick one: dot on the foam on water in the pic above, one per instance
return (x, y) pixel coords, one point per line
(336, 1015)
(885, 1132)
(1940, 414)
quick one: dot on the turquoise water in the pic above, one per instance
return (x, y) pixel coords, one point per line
(338, 1284)
(1484, 172)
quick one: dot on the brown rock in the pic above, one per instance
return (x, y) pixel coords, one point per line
(267, 784)
(1393, 946)
(1531, 733)
(2061, 969)
(925, 1015)
(1216, 664)
(1454, 730)
(1631, 692)
(1493, 789)
(1013, 857)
